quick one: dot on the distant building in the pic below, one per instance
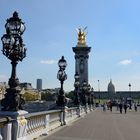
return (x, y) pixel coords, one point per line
(26, 86)
(111, 89)
(112, 94)
(39, 84)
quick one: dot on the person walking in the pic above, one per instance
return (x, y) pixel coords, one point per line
(104, 107)
(120, 106)
(135, 107)
(125, 108)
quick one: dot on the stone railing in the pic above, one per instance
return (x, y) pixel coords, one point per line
(33, 125)
(5, 128)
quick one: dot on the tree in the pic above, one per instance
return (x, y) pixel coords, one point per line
(70, 95)
(30, 96)
(47, 96)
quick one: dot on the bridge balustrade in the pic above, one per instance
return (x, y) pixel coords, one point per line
(5, 128)
(71, 114)
(33, 125)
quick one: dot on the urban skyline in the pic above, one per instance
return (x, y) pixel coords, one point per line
(113, 35)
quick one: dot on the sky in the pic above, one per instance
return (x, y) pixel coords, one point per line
(113, 35)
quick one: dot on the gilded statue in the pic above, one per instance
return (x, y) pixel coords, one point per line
(82, 36)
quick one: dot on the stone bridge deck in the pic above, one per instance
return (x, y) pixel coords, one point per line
(100, 125)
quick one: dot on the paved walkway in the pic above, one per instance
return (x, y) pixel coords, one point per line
(100, 125)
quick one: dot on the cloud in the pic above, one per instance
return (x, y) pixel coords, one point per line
(48, 62)
(125, 62)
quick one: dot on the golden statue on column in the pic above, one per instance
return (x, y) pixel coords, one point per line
(82, 36)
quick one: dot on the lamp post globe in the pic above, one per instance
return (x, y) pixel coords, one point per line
(62, 63)
(89, 88)
(76, 76)
(13, 49)
(15, 25)
(61, 76)
(84, 86)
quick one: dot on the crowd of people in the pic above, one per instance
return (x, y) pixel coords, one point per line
(120, 106)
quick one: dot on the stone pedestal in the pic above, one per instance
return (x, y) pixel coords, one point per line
(18, 125)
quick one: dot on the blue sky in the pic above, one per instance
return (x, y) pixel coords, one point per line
(113, 34)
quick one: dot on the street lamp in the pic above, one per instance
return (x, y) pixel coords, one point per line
(92, 96)
(76, 85)
(84, 90)
(89, 94)
(129, 87)
(13, 49)
(130, 98)
(61, 76)
(99, 89)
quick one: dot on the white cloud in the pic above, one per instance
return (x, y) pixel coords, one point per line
(125, 62)
(48, 62)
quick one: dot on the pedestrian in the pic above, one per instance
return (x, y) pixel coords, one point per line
(125, 107)
(117, 105)
(135, 107)
(104, 107)
(120, 106)
(111, 106)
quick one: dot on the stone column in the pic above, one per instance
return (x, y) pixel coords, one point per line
(81, 64)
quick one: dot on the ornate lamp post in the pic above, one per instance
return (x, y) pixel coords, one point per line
(61, 76)
(99, 89)
(84, 90)
(13, 49)
(76, 85)
(129, 88)
(89, 94)
(92, 96)
(130, 97)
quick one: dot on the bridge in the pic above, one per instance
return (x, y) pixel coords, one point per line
(76, 123)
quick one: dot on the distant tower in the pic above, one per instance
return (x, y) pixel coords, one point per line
(81, 60)
(39, 84)
(81, 56)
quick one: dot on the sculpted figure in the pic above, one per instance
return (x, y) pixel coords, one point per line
(82, 35)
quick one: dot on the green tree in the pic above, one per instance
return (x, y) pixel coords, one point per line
(30, 96)
(47, 96)
(70, 95)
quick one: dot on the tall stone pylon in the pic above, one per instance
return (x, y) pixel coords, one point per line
(81, 56)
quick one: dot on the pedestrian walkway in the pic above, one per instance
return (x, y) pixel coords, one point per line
(99, 125)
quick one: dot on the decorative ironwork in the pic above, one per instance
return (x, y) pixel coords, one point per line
(13, 49)
(61, 76)
(76, 85)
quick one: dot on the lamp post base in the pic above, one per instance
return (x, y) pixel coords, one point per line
(61, 100)
(12, 101)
